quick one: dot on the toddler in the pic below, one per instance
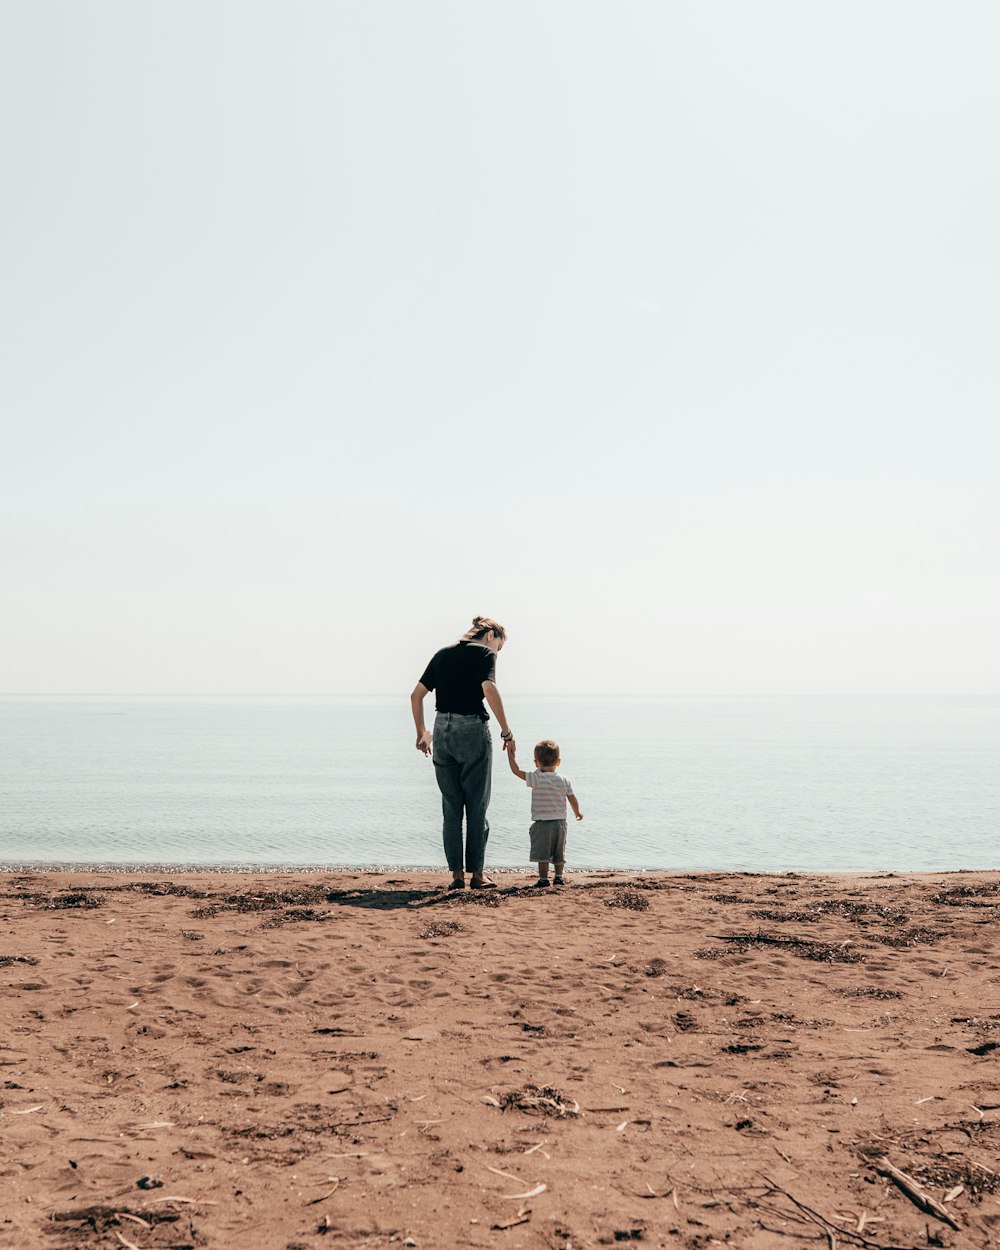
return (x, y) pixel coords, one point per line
(549, 795)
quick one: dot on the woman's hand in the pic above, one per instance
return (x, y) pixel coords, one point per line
(424, 742)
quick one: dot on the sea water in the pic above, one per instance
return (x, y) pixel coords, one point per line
(753, 784)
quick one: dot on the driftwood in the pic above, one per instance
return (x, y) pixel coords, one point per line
(919, 1197)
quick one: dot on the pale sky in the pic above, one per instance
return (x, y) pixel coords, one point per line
(664, 332)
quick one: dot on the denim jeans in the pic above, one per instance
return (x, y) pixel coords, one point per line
(463, 765)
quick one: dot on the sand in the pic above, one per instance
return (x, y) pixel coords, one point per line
(320, 1060)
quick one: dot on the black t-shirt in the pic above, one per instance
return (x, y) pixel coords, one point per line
(457, 674)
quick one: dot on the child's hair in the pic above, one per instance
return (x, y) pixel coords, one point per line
(547, 752)
(482, 625)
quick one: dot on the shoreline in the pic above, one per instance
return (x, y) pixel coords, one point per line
(310, 1059)
(137, 867)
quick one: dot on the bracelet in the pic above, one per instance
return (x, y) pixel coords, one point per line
(507, 737)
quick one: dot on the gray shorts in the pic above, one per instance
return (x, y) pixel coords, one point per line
(548, 840)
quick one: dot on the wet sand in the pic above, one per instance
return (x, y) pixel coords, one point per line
(313, 1060)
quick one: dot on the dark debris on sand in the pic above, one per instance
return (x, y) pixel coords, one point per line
(802, 948)
(477, 898)
(860, 913)
(295, 914)
(67, 899)
(161, 888)
(261, 900)
(926, 1164)
(983, 894)
(534, 1101)
(93, 1225)
(867, 991)
(628, 899)
(918, 935)
(785, 917)
(442, 928)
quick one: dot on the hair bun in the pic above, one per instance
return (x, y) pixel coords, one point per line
(483, 625)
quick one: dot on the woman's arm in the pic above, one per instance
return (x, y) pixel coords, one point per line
(492, 696)
(420, 692)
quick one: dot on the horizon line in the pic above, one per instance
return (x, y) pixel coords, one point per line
(533, 694)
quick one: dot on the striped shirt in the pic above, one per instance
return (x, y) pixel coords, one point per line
(548, 794)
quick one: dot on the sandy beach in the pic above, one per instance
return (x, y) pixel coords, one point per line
(314, 1060)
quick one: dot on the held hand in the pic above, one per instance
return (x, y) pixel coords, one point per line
(510, 746)
(424, 742)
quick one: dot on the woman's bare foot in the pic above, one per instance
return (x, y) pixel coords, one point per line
(479, 882)
(457, 883)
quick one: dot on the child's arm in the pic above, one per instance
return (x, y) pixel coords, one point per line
(512, 761)
(571, 799)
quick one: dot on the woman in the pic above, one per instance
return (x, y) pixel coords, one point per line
(463, 676)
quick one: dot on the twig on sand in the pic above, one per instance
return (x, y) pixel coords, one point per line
(129, 1245)
(919, 1197)
(323, 1197)
(380, 1119)
(532, 1193)
(202, 1202)
(522, 1217)
(828, 1226)
(509, 1176)
(124, 1215)
(651, 1193)
(455, 1094)
(864, 1219)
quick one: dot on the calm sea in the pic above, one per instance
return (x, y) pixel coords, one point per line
(804, 784)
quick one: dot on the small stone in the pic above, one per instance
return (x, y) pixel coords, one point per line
(149, 1182)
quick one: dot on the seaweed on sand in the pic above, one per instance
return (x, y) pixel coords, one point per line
(802, 948)
(535, 1101)
(628, 899)
(442, 928)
